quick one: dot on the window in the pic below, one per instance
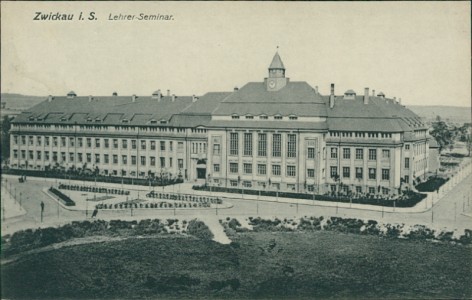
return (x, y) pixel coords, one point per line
(278, 117)
(89, 143)
(15, 153)
(291, 171)
(180, 146)
(124, 144)
(153, 145)
(359, 153)
(79, 156)
(233, 168)
(371, 190)
(124, 159)
(407, 162)
(233, 182)
(170, 162)
(216, 149)
(234, 117)
(276, 145)
(115, 159)
(233, 143)
(31, 154)
(247, 168)
(346, 153)
(89, 157)
(107, 143)
(71, 141)
(372, 173)
(372, 154)
(385, 174)
(358, 189)
(292, 118)
(407, 147)
(216, 168)
(311, 173)
(152, 161)
(248, 144)
(143, 145)
(333, 171)
(334, 152)
(247, 184)
(249, 117)
(23, 140)
(171, 146)
(262, 144)
(97, 143)
(276, 170)
(346, 172)
(97, 158)
(311, 152)
(385, 153)
(106, 158)
(311, 188)
(38, 155)
(133, 160)
(407, 179)
(63, 141)
(180, 163)
(133, 144)
(261, 169)
(143, 160)
(292, 145)
(163, 162)
(15, 139)
(263, 117)
(54, 142)
(359, 172)
(46, 141)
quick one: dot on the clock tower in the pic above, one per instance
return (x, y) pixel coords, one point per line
(276, 79)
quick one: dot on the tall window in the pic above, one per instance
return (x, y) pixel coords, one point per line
(261, 169)
(180, 146)
(311, 152)
(143, 160)
(311, 173)
(106, 158)
(46, 141)
(71, 141)
(333, 171)
(163, 145)
(216, 168)
(63, 141)
(247, 168)
(152, 161)
(124, 144)
(133, 144)
(153, 145)
(143, 145)
(407, 162)
(346, 172)
(276, 145)
(124, 159)
(346, 153)
(359, 153)
(385, 153)
(216, 149)
(180, 163)
(291, 171)
(233, 143)
(372, 154)
(163, 162)
(233, 168)
(107, 143)
(359, 172)
(97, 143)
(97, 158)
(38, 155)
(262, 144)
(292, 145)
(133, 160)
(385, 174)
(248, 144)
(334, 152)
(276, 170)
(171, 146)
(89, 143)
(372, 173)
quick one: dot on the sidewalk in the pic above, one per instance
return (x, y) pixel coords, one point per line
(10, 208)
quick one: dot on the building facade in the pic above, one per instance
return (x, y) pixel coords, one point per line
(269, 135)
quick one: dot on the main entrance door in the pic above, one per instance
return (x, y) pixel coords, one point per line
(201, 173)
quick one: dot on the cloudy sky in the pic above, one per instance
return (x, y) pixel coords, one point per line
(417, 51)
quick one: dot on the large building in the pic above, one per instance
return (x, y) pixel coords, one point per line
(276, 134)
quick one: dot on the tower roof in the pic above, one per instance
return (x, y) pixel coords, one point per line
(277, 62)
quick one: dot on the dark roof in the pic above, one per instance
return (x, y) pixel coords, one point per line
(206, 103)
(296, 98)
(269, 124)
(276, 62)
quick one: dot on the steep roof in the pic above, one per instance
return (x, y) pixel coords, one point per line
(277, 62)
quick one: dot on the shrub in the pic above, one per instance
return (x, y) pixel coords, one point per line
(199, 229)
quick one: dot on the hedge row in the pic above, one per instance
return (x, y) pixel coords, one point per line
(409, 199)
(432, 184)
(184, 197)
(92, 189)
(64, 198)
(151, 205)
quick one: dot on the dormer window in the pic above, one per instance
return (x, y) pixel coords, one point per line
(163, 122)
(293, 118)
(89, 119)
(98, 120)
(124, 121)
(250, 117)
(278, 117)
(63, 119)
(264, 117)
(234, 117)
(31, 118)
(153, 122)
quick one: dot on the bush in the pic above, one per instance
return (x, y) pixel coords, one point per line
(200, 230)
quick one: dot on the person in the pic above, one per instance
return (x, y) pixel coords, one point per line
(95, 212)
(42, 206)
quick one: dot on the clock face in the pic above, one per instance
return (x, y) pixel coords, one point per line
(271, 84)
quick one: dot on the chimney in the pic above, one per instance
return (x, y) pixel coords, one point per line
(366, 95)
(399, 100)
(168, 93)
(49, 98)
(316, 89)
(194, 98)
(236, 88)
(90, 98)
(394, 99)
(331, 96)
(115, 94)
(173, 97)
(134, 98)
(373, 93)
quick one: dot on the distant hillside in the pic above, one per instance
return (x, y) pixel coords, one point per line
(447, 113)
(19, 102)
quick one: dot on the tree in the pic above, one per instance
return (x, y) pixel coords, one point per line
(442, 134)
(5, 139)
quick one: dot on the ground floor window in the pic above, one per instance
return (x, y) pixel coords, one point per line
(291, 171)
(291, 187)
(247, 184)
(384, 191)
(371, 190)
(276, 186)
(311, 173)
(216, 168)
(345, 188)
(311, 188)
(333, 188)
(233, 182)
(358, 189)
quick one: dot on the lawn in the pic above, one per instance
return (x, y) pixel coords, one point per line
(318, 264)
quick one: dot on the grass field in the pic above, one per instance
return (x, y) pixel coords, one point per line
(257, 265)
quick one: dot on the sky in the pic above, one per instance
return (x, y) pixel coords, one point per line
(417, 51)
